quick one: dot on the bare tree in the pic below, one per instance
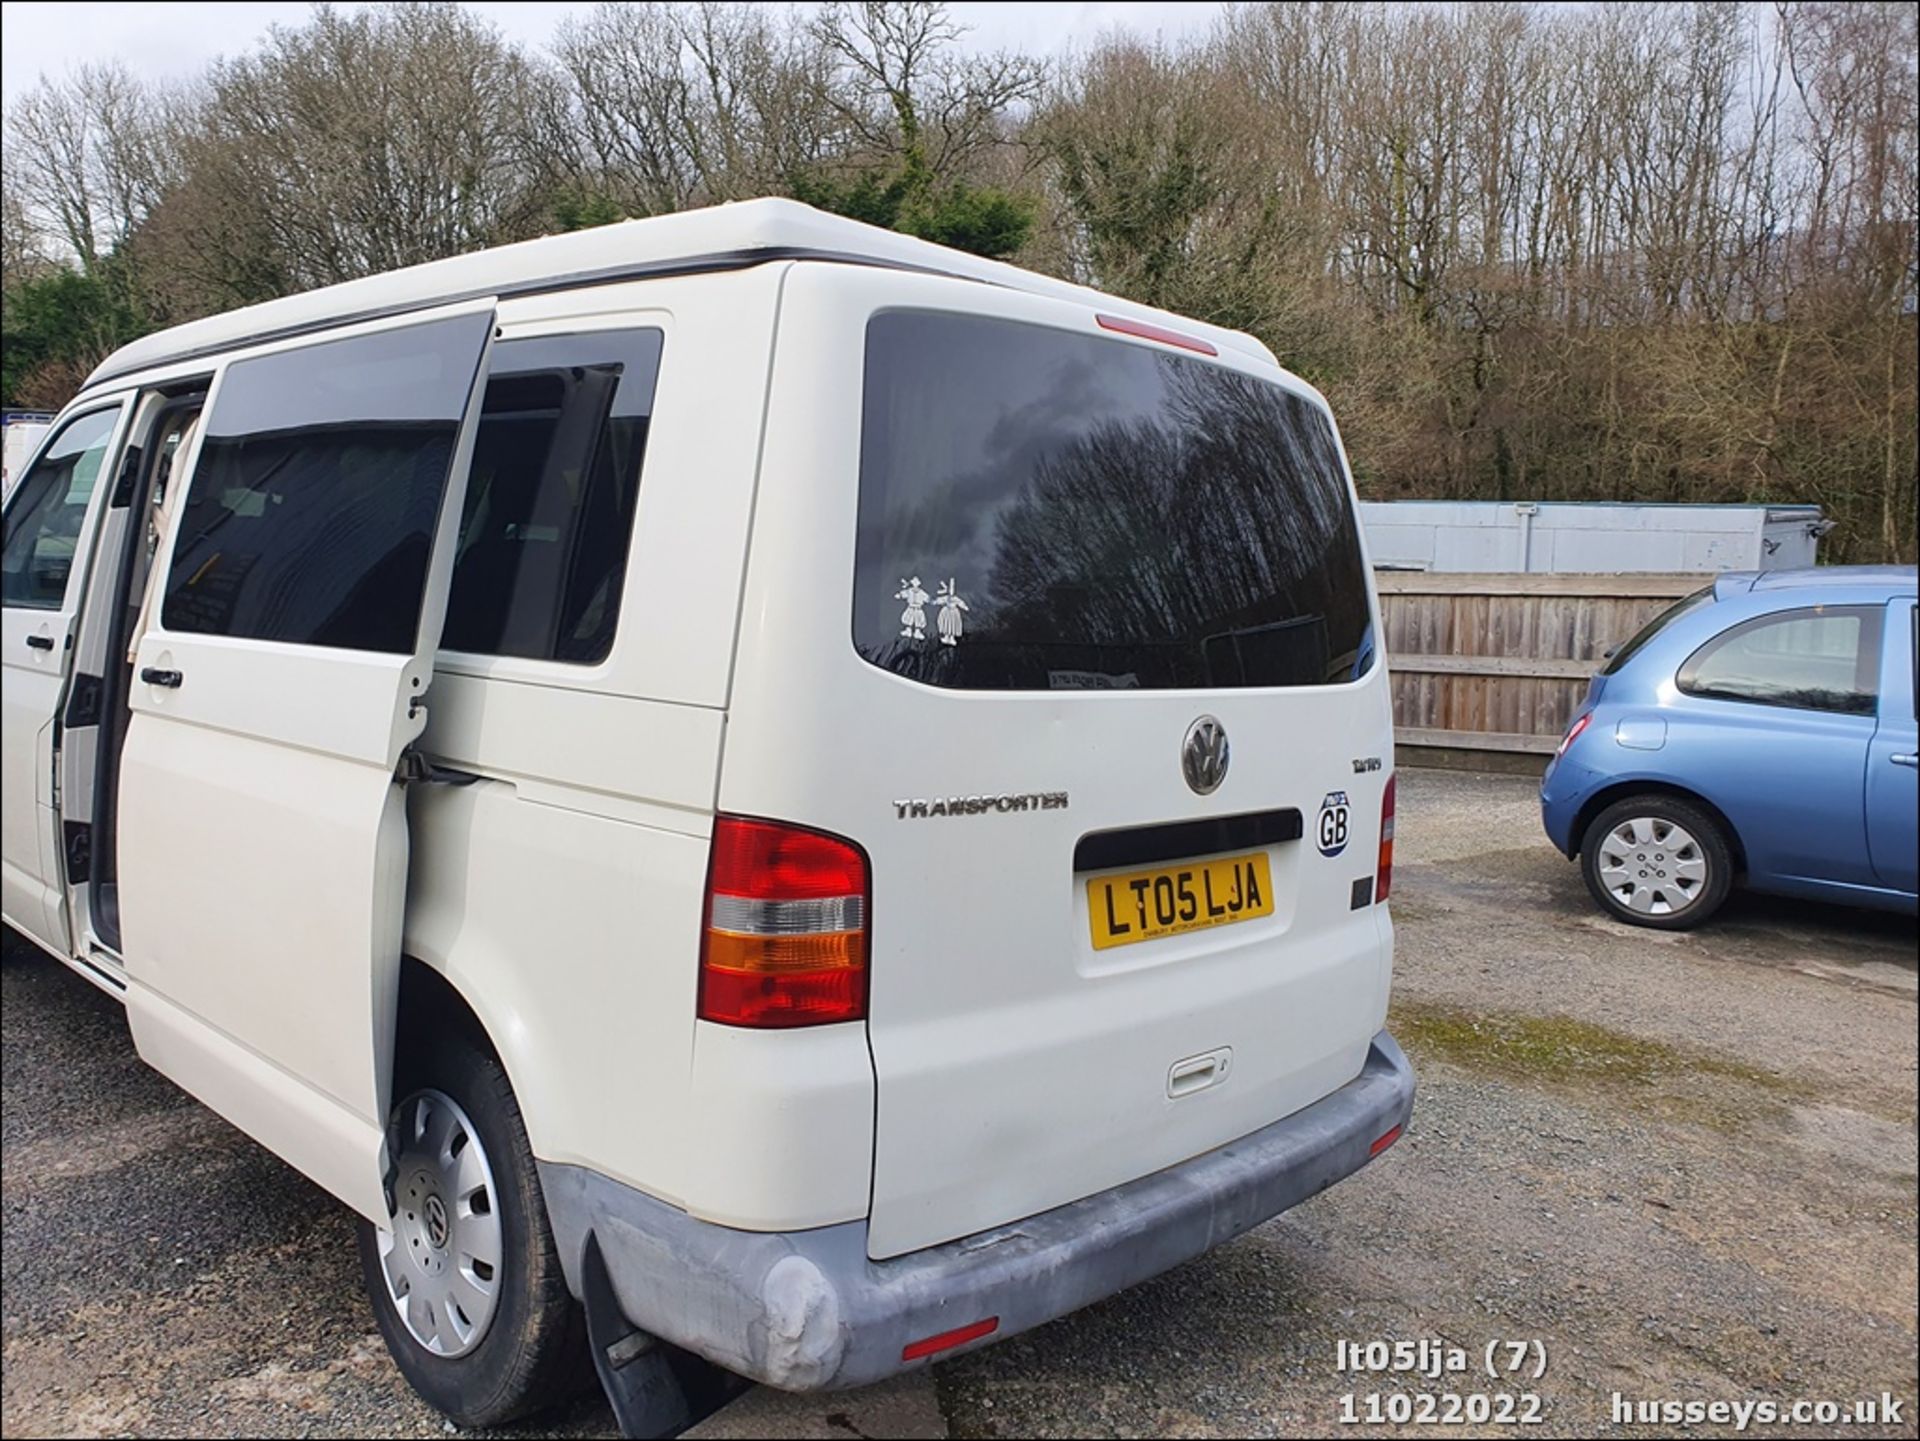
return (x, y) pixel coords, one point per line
(361, 142)
(906, 91)
(691, 104)
(91, 163)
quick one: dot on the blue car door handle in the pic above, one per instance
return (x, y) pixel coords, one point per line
(1912, 761)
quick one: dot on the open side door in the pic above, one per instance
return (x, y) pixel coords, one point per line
(282, 674)
(49, 527)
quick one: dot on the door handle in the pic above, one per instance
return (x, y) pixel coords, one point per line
(153, 675)
(1910, 761)
(40, 642)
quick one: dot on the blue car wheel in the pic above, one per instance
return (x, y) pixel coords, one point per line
(1654, 860)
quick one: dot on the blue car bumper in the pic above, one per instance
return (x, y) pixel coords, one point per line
(1563, 791)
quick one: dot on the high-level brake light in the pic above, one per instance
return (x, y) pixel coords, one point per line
(1123, 326)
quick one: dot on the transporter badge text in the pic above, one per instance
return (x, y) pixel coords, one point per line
(980, 805)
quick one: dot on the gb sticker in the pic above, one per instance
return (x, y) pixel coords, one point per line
(1333, 823)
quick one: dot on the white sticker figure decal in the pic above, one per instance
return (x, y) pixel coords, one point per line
(913, 620)
(950, 606)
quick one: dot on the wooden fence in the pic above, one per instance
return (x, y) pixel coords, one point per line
(1487, 668)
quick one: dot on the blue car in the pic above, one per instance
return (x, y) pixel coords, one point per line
(1761, 732)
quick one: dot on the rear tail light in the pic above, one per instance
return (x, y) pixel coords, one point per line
(1383, 876)
(1573, 734)
(785, 942)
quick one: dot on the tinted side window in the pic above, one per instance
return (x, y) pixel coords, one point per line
(1046, 509)
(550, 505)
(1825, 659)
(310, 515)
(43, 523)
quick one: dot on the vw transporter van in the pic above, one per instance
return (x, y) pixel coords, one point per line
(760, 797)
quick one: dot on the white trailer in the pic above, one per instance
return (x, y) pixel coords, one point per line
(22, 430)
(1569, 537)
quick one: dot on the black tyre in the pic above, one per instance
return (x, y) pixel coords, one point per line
(1655, 860)
(466, 1285)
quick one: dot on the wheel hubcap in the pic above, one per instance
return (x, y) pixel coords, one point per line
(1652, 867)
(441, 1255)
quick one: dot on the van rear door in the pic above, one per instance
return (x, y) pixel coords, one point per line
(263, 840)
(1070, 627)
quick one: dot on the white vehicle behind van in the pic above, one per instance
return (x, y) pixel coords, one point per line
(20, 432)
(739, 785)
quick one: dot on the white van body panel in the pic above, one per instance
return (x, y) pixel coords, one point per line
(1017, 1068)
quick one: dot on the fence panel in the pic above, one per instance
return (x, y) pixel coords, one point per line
(1494, 663)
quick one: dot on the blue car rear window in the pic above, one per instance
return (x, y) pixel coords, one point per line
(1652, 628)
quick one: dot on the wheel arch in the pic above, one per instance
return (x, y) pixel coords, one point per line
(430, 998)
(1640, 786)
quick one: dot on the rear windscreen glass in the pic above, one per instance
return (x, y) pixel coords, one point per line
(1638, 642)
(1041, 509)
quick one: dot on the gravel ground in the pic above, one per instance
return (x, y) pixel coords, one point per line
(1686, 1165)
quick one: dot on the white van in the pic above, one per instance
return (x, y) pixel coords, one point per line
(738, 783)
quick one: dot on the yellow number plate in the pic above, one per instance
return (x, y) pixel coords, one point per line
(1146, 905)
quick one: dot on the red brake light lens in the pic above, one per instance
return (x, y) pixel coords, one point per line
(783, 863)
(1573, 733)
(1383, 875)
(785, 941)
(1121, 325)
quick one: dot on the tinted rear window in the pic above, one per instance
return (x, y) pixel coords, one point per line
(1638, 642)
(1041, 509)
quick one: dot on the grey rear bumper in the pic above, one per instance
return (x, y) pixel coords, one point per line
(808, 1311)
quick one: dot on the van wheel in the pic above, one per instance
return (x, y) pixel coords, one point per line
(466, 1282)
(1653, 860)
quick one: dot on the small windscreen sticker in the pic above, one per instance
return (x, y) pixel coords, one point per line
(950, 606)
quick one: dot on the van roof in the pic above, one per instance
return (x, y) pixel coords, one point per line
(720, 237)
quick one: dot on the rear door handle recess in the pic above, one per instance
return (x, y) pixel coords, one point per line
(1910, 761)
(153, 675)
(40, 642)
(1197, 1073)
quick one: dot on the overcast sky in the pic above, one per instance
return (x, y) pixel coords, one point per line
(173, 41)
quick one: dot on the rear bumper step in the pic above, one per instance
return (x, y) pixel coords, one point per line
(808, 1311)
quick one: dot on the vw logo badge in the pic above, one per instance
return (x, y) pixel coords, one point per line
(1204, 755)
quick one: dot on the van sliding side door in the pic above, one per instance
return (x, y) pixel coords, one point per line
(283, 671)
